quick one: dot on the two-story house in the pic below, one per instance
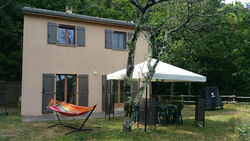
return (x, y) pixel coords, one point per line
(66, 56)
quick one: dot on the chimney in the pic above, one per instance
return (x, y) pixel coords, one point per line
(69, 9)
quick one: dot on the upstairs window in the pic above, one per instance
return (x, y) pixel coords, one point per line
(116, 40)
(119, 40)
(66, 35)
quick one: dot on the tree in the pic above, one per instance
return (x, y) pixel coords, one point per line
(177, 15)
(217, 50)
(147, 10)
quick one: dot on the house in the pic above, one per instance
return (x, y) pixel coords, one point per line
(67, 56)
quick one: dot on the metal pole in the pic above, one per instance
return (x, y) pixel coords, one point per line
(189, 90)
(110, 98)
(146, 108)
(113, 100)
(139, 85)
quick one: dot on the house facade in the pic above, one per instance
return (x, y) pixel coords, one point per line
(67, 56)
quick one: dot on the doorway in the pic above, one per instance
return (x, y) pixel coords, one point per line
(66, 89)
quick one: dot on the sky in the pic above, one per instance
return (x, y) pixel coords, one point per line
(242, 1)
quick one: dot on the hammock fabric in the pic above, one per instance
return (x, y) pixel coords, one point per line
(70, 110)
(67, 109)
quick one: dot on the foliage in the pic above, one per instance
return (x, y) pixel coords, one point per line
(217, 49)
(10, 40)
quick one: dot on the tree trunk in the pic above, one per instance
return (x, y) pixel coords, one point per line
(128, 107)
(127, 125)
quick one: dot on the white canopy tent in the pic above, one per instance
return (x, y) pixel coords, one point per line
(164, 72)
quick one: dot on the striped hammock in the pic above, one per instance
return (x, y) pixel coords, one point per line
(67, 109)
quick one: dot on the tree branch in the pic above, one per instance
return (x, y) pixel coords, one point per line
(221, 13)
(124, 12)
(136, 4)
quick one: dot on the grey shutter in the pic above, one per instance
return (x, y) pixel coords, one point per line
(108, 38)
(83, 90)
(52, 33)
(104, 89)
(134, 89)
(81, 36)
(109, 98)
(130, 35)
(48, 92)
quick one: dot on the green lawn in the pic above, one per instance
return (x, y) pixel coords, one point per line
(221, 125)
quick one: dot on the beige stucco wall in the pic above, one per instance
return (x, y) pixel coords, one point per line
(39, 57)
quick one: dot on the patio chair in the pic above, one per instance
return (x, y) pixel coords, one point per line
(160, 112)
(170, 114)
(177, 114)
(70, 110)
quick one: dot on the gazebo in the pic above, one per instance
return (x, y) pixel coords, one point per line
(164, 72)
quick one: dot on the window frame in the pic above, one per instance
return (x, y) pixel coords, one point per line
(66, 27)
(118, 40)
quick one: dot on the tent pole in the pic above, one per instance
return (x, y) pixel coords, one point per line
(146, 108)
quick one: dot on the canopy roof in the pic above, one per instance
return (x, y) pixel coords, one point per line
(163, 72)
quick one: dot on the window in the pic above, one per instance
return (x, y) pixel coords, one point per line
(119, 40)
(66, 35)
(66, 88)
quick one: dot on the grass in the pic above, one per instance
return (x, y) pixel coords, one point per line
(221, 125)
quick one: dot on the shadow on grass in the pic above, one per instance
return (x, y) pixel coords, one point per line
(189, 112)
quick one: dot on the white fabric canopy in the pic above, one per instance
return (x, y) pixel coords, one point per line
(163, 72)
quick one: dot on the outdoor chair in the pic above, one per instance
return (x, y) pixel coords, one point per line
(160, 112)
(169, 116)
(3, 103)
(177, 114)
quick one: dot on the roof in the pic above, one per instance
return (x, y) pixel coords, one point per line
(77, 16)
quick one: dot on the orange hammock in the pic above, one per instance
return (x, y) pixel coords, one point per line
(67, 109)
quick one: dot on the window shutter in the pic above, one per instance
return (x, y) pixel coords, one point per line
(108, 38)
(130, 35)
(81, 36)
(109, 98)
(52, 33)
(48, 92)
(83, 90)
(104, 89)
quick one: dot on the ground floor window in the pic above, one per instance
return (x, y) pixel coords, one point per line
(66, 88)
